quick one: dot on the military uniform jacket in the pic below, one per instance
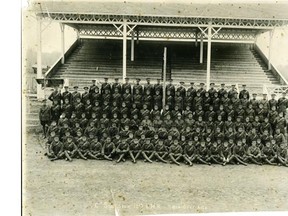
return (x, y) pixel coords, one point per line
(139, 88)
(67, 95)
(75, 95)
(282, 152)
(272, 116)
(239, 150)
(135, 146)
(157, 100)
(56, 110)
(198, 101)
(95, 146)
(157, 123)
(182, 91)
(105, 86)
(116, 97)
(55, 96)
(226, 151)
(214, 151)
(202, 151)
(280, 122)
(45, 113)
(127, 98)
(279, 138)
(148, 147)
(254, 150)
(56, 147)
(222, 92)
(201, 91)
(123, 146)
(175, 149)
(79, 109)
(160, 148)
(242, 93)
(268, 151)
(170, 87)
(192, 92)
(250, 113)
(189, 150)
(96, 97)
(85, 97)
(158, 87)
(162, 133)
(231, 93)
(92, 89)
(254, 103)
(108, 147)
(69, 146)
(116, 86)
(126, 86)
(273, 102)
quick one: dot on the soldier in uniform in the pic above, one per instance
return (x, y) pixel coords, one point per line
(85, 96)
(93, 86)
(95, 96)
(134, 149)
(158, 87)
(222, 91)
(283, 103)
(254, 153)
(201, 90)
(126, 86)
(122, 149)
(170, 101)
(75, 95)
(45, 117)
(197, 102)
(138, 86)
(189, 153)
(69, 148)
(157, 99)
(212, 90)
(149, 86)
(239, 153)
(179, 100)
(273, 102)
(56, 110)
(108, 149)
(280, 123)
(55, 95)
(254, 101)
(105, 87)
(160, 151)
(116, 85)
(232, 91)
(67, 108)
(214, 153)
(181, 89)
(244, 92)
(225, 153)
(282, 155)
(127, 97)
(147, 150)
(268, 154)
(225, 101)
(66, 95)
(192, 91)
(175, 152)
(203, 153)
(78, 107)
(170, 87)
(55, 150)
(148, 98)
(95, 148)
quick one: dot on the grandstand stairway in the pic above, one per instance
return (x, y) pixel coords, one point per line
(230, 63)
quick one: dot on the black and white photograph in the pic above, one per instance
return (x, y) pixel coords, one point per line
(164, 107)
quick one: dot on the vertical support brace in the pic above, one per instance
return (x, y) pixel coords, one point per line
(201, 49)
(124, 32)
(132, 46)
(270, 48)
(196, 39)
(209, 55)
(62, 27)
(164, 76)
(39, 57)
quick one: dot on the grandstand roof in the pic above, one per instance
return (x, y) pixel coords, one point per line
(224, 9)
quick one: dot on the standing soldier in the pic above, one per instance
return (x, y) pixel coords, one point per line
(179, 100)
(222, 91)
(149, 86)
(283, 103)
(127, 97)
(45, 117)
(232, 91)
(85, 96)
(182, 89)
(126, 86)
(265, 102)
(138, 87)
(192, 91)
(212, 90)
(67, 108)
(96, 96)
(244, 92)
(158, 87)
(55, 111)
(93, 86)
(201, 90)
(105, 87)
(55, 95)
(157, 99)
(75, 95)
(78, 107)
(170, 87)
(116, 97)
(116, 85)
(254, 101)
(170, 99)
(66, 95)
(273, 102)
(148, 98)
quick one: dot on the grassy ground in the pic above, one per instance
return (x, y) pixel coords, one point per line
(86, 187)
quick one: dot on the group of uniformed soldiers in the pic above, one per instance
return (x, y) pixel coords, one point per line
(115, 121)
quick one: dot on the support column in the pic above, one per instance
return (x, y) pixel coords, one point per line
(62, 27)
(209, 55)
(39, 58)
(164, 77)
(132, 46)
(196, 39)
(201, 49)
(270, 48)
(124, 49)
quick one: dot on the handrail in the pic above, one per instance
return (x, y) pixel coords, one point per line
(274, 70)
(58, 63)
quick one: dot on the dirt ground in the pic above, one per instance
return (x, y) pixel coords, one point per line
(95, 187)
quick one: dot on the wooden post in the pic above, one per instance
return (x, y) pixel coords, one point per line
(39, 58)
(201, 49)
(124, 49)
(62, 27)
(196, 39)
(270, 48)
(132, 46)
(209, 55)
(164, 76)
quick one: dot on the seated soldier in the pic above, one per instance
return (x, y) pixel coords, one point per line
(55, 150)
(122, 149)
(282, 154)
(134, 149)
(160, 151)
(69, 149)
(225, 153)
(189, 154)
(279, 137)
(157, 122)
(56, 110)
(268, 154)
(82, 147)
(147, 150)
(162, 133)
(202, 153)
(187, 132)
(254, 153)
(108, 149)
(214, 153)
(239, 153)
(168, 122)
(196, 141)
(169, 141)
(182, 141)
(175, 152)
(83, 121)
(179, 122)
(63, 119)
(174, 132)
(124, 134)
(187, 112)
(95, 147)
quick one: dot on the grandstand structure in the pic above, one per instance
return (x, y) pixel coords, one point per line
(206, 42)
